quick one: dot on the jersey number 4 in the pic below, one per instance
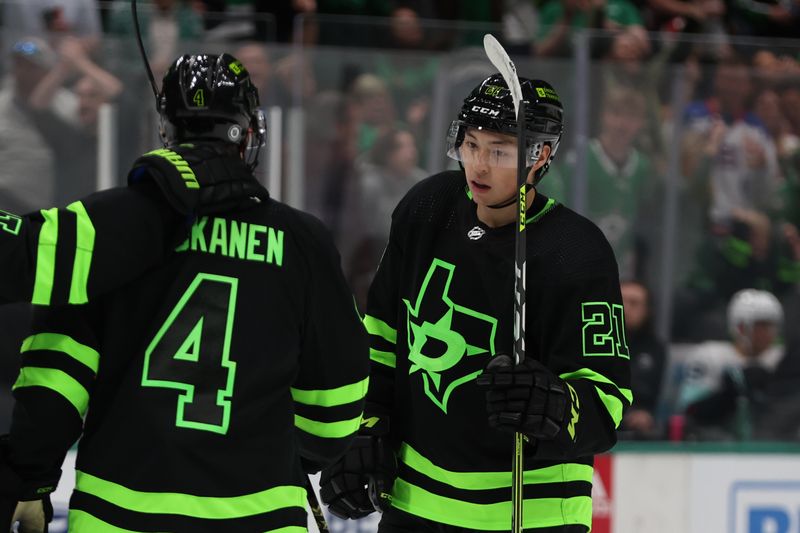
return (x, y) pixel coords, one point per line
(604, 330)
(190, 353)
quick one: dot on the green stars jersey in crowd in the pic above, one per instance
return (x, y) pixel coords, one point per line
(441, 304)
(209, 385)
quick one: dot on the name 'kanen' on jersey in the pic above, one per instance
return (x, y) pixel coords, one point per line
(237, 240)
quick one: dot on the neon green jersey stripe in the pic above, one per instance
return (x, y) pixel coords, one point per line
(84, 247)
(591, 375)
(352, 392)
(328, 430)
(613, 405)
(493, 480)
(539, 512)
(83, 521)
(188, 504)
(56, 380)
(46, 258)
(64, 344)
(376, 326)
(384, 358)
(549, 205)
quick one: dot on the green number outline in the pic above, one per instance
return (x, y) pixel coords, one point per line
(199, 98)
(187, 397)
(618, 313)
(7, 219)
(594, 318)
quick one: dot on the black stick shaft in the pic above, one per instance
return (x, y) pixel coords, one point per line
(316, 508)
(520, 265)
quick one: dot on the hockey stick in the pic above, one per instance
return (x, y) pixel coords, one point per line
(316, 508)
(499, 58)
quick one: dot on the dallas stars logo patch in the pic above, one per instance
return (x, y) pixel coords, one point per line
(441, 334)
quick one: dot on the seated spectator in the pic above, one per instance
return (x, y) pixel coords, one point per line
(754, 250)
(728, 149)
(66, 116)
(26, 175)
(618, 174)
(725, 384)
(731, 167)
(375, 108)
(767, 18)
(386, 174)
(559, 17)
(648, 357)
(165, 25)
(53, 18)
(787, 143)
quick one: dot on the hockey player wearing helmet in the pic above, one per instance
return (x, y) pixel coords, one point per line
(205, 389)
(440, 309)
(725, 383)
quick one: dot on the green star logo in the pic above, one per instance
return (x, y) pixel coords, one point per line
(442, 333)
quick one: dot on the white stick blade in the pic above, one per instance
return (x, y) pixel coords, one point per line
(499, 58)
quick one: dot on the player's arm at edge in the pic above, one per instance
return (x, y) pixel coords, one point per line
(59, 361)
(329, 390)
(598, 384)
(68, 255)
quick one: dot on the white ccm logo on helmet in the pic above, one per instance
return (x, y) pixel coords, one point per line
(486, 110)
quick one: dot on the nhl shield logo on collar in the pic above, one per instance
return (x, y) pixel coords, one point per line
(476, 233)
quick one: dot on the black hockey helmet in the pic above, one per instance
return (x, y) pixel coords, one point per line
(210, 97)
(490, 106)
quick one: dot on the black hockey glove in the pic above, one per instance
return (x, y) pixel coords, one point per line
(22, 501)
(199, 179)
(360, 482)
(525, 398)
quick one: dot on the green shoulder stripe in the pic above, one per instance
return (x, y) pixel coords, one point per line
(84, 248)
(46, 258)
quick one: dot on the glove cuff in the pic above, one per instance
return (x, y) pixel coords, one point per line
(19, 487)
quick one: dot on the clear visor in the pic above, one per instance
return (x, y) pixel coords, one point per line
(471, 150)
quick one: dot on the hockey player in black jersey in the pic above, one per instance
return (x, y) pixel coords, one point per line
(439, 315)
(211, 384)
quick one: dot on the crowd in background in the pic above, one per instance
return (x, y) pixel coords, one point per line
(693, 100)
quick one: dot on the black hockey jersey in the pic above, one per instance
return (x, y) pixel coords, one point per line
(211, 383)
(58, 256)
(441, 304)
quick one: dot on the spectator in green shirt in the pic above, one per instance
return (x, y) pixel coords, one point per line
(560, 17)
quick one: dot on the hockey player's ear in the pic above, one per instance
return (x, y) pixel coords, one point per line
(544, 157)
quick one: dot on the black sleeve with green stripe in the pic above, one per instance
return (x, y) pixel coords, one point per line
(67, 255)
(59, 362)
(581, 331)
(329, 390)
(380, 321)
